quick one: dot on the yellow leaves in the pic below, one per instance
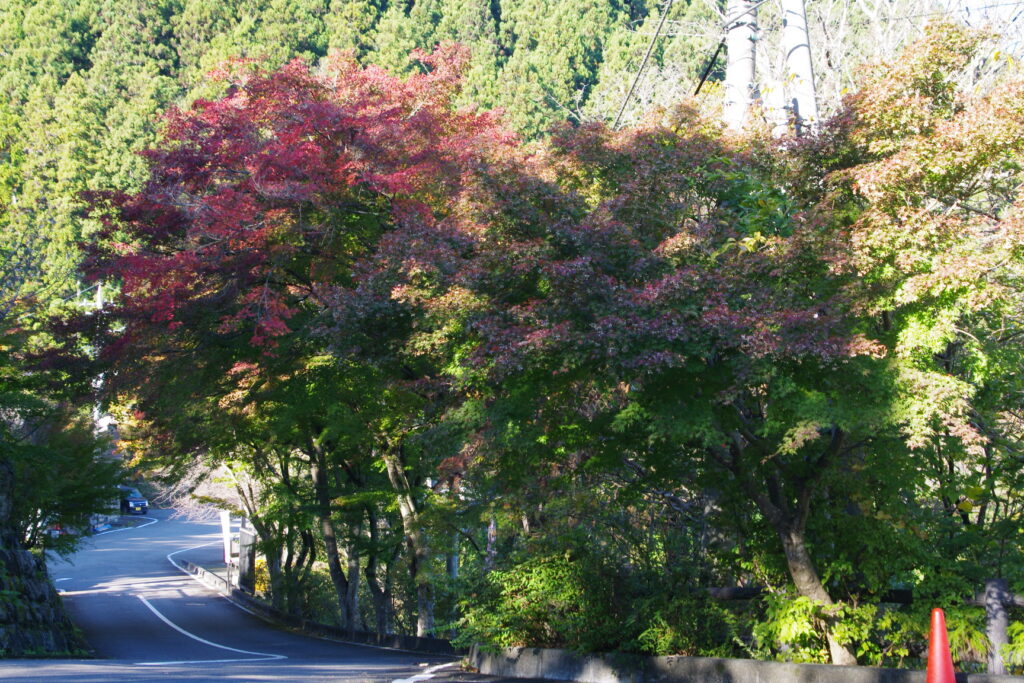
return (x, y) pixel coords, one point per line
(748, 244)
(935, 406)
(799, 436)
(972, 497)
(975, 492)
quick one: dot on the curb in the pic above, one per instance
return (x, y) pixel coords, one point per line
(244, 601)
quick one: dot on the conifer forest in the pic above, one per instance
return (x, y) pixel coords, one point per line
(493, 330)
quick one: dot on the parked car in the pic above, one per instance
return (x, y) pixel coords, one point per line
(133, 502)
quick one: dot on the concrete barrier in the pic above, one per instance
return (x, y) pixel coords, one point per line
(563, 665)
(211, 580)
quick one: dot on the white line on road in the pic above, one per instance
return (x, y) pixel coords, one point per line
(200, 661)
(170, 558)
(150, 522)
(427, 674)
(263, 656)
(185, 550)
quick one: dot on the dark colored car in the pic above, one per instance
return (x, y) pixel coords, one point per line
(133, 502)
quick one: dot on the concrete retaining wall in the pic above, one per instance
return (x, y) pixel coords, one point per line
(563, 665)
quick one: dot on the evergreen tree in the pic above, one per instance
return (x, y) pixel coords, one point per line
(352, 25)
(49, 39)
(398, 34)
(196, 27)
(556, 51)
(291, 28)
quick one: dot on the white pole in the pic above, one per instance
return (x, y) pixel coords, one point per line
(741, 34)
(799, 77)
(225, 531)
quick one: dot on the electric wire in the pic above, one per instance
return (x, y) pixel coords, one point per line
(643, 64)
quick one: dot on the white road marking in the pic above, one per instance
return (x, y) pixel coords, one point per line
(169, 583)
(263, 656)
(170, 558)
(199, 661)
(150, 522)
(185, 550)
(428, 673)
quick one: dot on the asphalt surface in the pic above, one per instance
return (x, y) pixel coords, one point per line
(148, 621)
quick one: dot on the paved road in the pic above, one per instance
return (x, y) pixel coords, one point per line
(147, 621)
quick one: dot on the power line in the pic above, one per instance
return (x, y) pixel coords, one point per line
(643, 64)
(726, 27)
(950, 12)
(711, 64)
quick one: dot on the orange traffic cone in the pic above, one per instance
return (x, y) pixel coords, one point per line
(940, 660)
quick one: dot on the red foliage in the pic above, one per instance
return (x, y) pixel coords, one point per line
(278, 196)
(672, 247)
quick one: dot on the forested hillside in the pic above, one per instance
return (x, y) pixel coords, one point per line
(85, 80)
(517, 375)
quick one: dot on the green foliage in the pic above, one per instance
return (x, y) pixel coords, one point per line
(691, 625)
(1013, 652)
(545, 602)
(620, 367)
(48, 451)
(581, 601)
(60, 484)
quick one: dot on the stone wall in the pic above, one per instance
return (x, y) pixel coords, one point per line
(32, 619)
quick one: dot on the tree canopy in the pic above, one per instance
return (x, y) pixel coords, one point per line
(474, 360)
(594, 370)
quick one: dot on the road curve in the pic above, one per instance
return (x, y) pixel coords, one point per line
(147, 621)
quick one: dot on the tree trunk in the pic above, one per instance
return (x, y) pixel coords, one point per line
(352, 594)
(452, 563)
(492, 544)
(790, 522)
(419, 560)
(808, 584)
(270, 545)
(327, 529)
(301, 570)
(379, 597)
(276, 578)
(378, 594)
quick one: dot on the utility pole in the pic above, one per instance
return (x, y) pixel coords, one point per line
(740, 40)
(798, 80)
